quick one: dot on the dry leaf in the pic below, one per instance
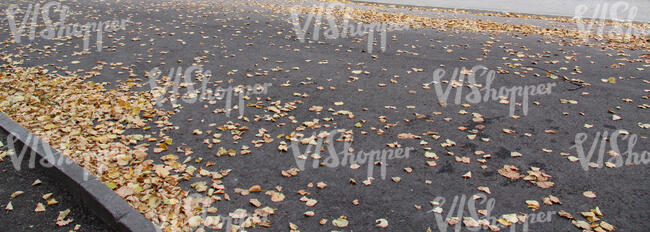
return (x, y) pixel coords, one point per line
(510, 171)
(39, 207)
(16, 194)
(381, 223)
(581, 224)
(484, 189)
(340, 222)
(255, 202)
(255, 189)
(532, 204)
(565, 214)
(470, 222)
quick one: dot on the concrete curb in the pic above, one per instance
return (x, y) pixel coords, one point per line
(91, 192)
(477, 10)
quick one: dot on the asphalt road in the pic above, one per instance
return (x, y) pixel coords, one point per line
(249, 39)
(22, 217)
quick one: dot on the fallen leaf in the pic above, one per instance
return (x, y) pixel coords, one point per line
(532, 204)
(470, 222)
(581, 224)
(340, 222)
(468, 175)
(589, 194)
(195, 221)
(484, 189)
(510, 171)
(381, 223)
(16, 194)
(255, 188)
(607, 226)
(39, 207)
(565, 214)
(255, 202)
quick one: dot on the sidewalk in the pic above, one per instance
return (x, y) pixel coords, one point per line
(565, 8)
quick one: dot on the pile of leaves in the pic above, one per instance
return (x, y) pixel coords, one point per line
(87, 123)
(377, 15)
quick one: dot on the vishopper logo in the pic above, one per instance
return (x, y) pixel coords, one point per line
(58, 30)
(171, 84)
(477, 94)
(603, 12)
(616, 158)
(316, 144)
(346, 27)
(480, 218)
(49, 157)
(234, 221)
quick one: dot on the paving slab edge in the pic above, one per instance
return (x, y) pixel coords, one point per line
(489, 11)
(92, 193)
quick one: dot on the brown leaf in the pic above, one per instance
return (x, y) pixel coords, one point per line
(565, 214)
(510, 171)
(408, 136)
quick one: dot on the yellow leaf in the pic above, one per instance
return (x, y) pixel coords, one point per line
(39, 207)
(255, 188)
(49, 126)
(52, 201)
(17, 193)
(611, 80)
(340, 222)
